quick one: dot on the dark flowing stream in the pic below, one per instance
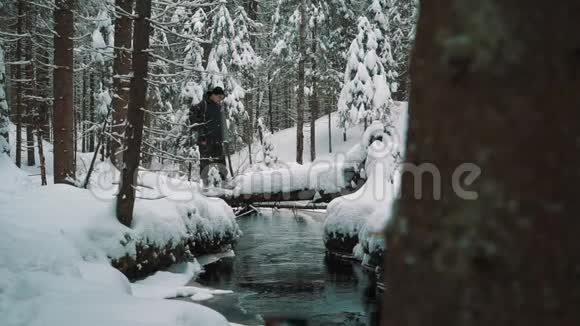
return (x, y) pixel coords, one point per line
(280, 271)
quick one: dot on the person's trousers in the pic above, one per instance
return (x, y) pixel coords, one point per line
(212, 155)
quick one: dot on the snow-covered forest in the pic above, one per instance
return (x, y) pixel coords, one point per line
(98, 101)
(251, 162)
(282, 64)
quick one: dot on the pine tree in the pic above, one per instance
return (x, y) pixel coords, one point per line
(402, 16)
(365, 95)
(378, 16)
(231, 56)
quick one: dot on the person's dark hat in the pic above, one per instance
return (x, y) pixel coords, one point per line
(218, 91)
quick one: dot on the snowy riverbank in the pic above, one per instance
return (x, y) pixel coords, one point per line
(58, 243)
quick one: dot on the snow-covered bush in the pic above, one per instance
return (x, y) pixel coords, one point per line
(102, 39)
(266, 155)
(213, 177)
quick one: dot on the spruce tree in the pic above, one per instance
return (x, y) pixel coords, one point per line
(365, 95)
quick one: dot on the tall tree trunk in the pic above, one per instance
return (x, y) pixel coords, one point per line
(84, 112)
(249, 124)
(92, 117)
(135, 114)
(40, 89)
(42, 84)
(121, 68)
(41, 156)
(314, 104)
(504, 76)
(18, 75)
(301, 73)
(31, 100)
(63, 119)
(4, 109)
(252, 10)
(329, 111)
(270, 102)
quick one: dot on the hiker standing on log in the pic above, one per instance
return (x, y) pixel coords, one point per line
(207, 119)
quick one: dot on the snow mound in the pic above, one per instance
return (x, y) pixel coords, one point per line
(12, 177)
(57, 242)
(45, 280)
(362, 215)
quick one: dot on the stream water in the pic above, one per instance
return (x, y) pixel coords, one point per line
(280, 271)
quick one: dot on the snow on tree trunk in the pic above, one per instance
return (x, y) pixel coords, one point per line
(494, 83)
(121, 68)
(135, 114)
(63, 120)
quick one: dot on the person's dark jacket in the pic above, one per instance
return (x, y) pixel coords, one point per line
(208, 122)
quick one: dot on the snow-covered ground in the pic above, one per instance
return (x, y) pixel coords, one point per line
(56, 243)
(284, 142)
(54, 269)
(326, 173)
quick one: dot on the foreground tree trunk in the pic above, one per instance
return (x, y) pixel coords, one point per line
(492, 82)
(121, 68)
(63, 120)
(135, 114)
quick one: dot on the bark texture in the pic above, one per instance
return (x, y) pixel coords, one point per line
(121, 67)
(63, 120)
(495, 83)
(18, 84)
(135, 114)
